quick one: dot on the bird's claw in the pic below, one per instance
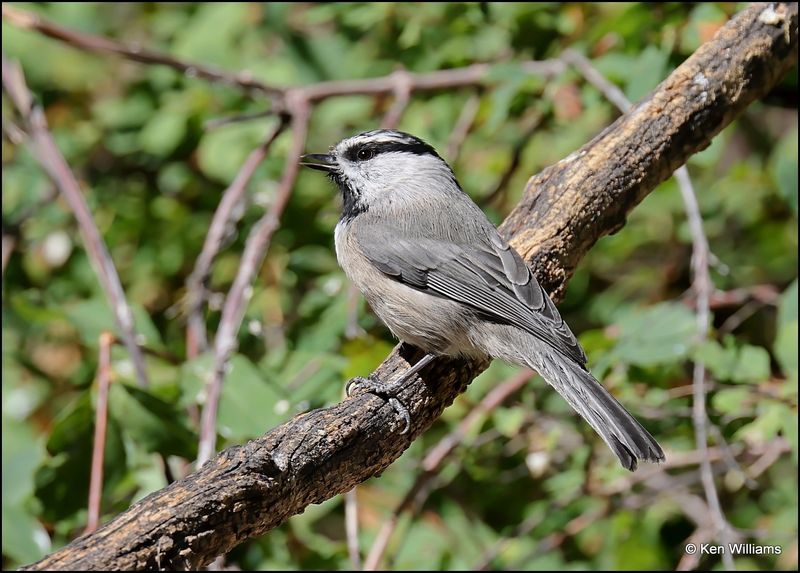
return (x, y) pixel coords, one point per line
(357, 381)
(368, 385)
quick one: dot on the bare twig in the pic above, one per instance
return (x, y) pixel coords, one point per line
(611, 92)
(100, 423)
(402, 96)
(703, 286)
(766, 294)
(737, 318)
(254, 252)
(216, 123)
(196, 330)
(433, 463)
(351, 528)
(92, 43)
(475, 74)
(689, 561)
(775, 449)
(9, 243)
(729, 457)
(462, 127)
(46, 151)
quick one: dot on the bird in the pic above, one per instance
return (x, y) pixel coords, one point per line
(438, 274)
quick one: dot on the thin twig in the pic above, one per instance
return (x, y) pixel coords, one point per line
(462, 127)
(196, 337)
(402, 96)
(703, 288)
(9, 244)
(351, 528)
(730, 458)
(433, 463)
(100, 423)
(735, 320)
(472, 75)
(611, 92)
(46, 151)
(254, 252)
(92, 43)
(774, 451)
(766, 294)
(216, 123)
(690, 560)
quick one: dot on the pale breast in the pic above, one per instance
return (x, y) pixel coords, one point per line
(431, 323)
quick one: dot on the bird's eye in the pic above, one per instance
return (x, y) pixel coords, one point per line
(365, 154)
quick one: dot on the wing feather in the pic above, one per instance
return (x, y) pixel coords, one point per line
(488, 276)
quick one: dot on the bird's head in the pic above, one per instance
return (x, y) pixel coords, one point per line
(385, 169)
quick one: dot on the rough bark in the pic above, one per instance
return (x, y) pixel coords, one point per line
(247, 490)
(599, 184)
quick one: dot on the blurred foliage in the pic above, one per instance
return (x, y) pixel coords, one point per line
(513, 493)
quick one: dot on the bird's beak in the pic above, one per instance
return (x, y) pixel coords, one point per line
(319, 161)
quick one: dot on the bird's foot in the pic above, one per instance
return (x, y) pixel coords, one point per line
(390, 390)
(386, 390)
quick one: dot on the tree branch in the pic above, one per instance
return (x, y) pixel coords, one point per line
(92, 43)
(44, 149)
(255, 250)
(249, 489)
(600, 183)
(197, 340)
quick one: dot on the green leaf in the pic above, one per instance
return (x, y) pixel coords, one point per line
(786, 348)
(720, 360)
(752, 365)
(646, 73)
(24, 539)
(249, 405)
(164, 131)
(786, 341)
(508, 421)
(92, 317)
(123, 113)
(787, 307)
(62, 482)
(767, 424)
(733, 401)
(23, 451)
(783, 168)
(151, 422)
(211, 34)
(222, 151)
(657, 335)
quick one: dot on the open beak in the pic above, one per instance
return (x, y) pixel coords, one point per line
(319, 161)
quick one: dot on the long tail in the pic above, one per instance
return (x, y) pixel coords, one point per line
(621, 431)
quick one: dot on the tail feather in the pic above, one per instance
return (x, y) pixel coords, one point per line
(619, 429)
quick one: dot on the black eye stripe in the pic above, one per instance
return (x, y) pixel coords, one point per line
(364, 151)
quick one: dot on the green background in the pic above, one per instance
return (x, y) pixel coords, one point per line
(530, 486)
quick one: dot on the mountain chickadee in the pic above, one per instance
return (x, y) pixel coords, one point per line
(438, 274)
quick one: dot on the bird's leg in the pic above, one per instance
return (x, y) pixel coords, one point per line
(392, 388)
